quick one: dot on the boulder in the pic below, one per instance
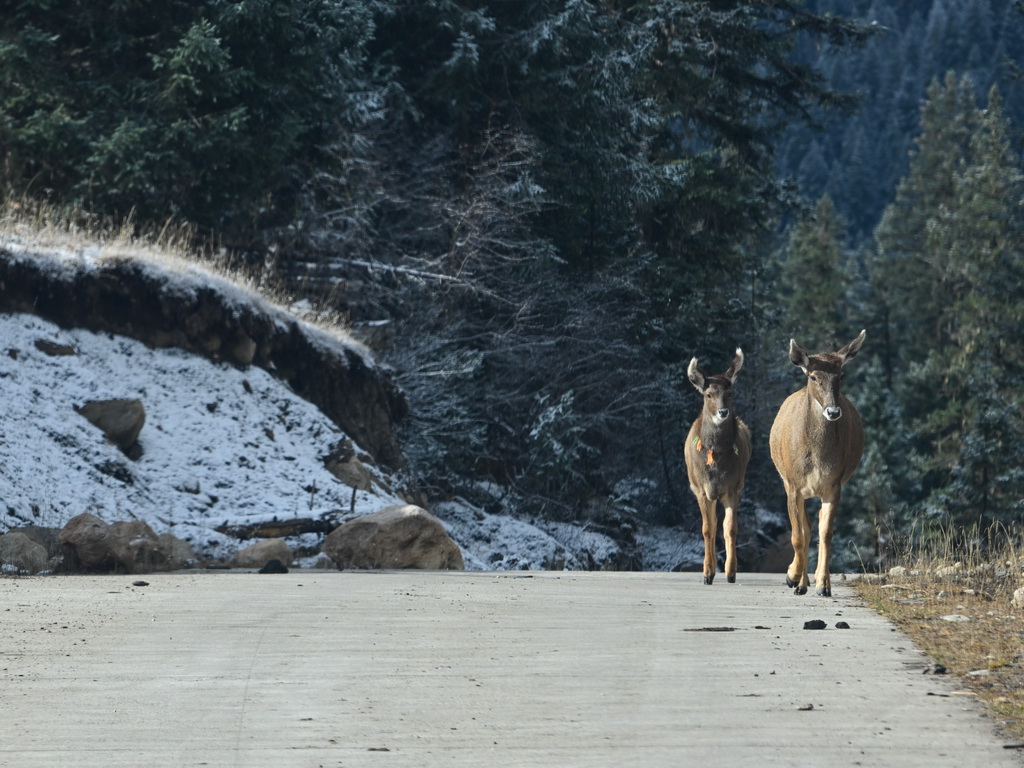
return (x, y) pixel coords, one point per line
(20, 553)
(120, 420)
(404, 536)
(88, 546)
(259, 554)
(145, 551)
(1018, 598)
(179, 552)
(43, 535)
(352, 473)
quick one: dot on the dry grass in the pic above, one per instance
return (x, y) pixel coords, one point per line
(39, 227)
(953, 596)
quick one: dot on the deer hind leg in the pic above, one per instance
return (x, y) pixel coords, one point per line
(709, 515)
(826, 524)
(729, 530)
(796, 575)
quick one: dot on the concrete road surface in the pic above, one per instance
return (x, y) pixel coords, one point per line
(415, 668)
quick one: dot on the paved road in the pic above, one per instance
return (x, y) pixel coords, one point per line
(466, 669)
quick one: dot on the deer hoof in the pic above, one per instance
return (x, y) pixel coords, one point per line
(790, 582)
(800, 591)
(731, 579)
(709, 579)
(824, 592)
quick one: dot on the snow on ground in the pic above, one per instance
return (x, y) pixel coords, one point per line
(220, 446)
(213, 452)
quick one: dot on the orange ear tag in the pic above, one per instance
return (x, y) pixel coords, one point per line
(711, 458)
(700, 445)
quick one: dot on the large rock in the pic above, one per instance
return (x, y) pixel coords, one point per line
(43, 535)
(19, 552)
(395, 537)
(259, 554)
(88, 545)
(145, 551)
(120, 420)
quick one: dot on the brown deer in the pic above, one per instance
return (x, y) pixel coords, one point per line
(816, 443)
(717, 452)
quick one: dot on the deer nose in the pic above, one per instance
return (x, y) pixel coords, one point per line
(833, 412)
(723, 413)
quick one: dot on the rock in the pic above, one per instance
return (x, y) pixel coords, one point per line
(352, 473)
(404, 536)
(259, 554)
(343, 463)
(956, 617)
(1018, 598)
(22, 554)
(273, 566)
(949, 571)
(120, 420)
(898, 572)
(815, 624)
(88, 546)
(242, 351)
(842, 625)
(145, 551)
(323, 562)
(47, 537)
(54, 349)
(179, 552)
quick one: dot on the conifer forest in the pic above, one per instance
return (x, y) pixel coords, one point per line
(554, 205)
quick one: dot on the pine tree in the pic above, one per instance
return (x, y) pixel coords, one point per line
(974, 434)
(814, 281)
(216, 113)
(909, 271)
(960, 385)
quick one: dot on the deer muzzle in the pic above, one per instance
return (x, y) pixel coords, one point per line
(832, 412)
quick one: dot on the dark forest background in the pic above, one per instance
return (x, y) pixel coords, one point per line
(542, 210)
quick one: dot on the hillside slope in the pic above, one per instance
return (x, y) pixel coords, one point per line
(225, 446)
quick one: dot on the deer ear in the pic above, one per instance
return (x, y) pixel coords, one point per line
(734, 369)
(798, 355)
(695, 375)
(851, 349)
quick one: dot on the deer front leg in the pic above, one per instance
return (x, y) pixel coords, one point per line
(826, 524)
(709, 515)
(729, 530)
(796, 576)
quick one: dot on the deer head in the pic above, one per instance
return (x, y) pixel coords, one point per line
(825, 374)
(717, 390)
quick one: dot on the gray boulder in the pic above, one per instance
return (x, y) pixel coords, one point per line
(145, 551)
(404, 536)
(87, 545)
(120, 420)
(20, 553)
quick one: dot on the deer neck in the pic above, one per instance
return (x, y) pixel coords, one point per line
(814, 421)
(718, 437)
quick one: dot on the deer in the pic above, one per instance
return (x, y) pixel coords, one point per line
(717, 451)
(816, 443)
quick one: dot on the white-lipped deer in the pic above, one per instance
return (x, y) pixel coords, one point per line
(816, 443)
(717, 452)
